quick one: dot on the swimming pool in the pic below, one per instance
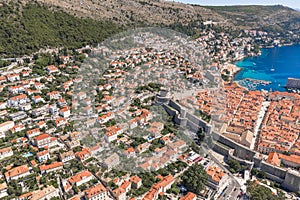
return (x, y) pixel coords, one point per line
(26, 155)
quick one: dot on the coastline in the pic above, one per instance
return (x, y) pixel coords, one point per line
(265, 77)
(239, 69)
(234, 73)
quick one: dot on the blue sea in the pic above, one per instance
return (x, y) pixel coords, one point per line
(275, 65)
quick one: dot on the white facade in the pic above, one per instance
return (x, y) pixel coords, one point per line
(65, 113)
(110, 137)
(18, 100)
(17, 172)
(3, 190)
(13, 77)
(4, 127)
(6, 152)
(37, 99)
(67, 156)
(42, 156)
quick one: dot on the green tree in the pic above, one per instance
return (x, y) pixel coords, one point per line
(258, 192)
(36, 26)
(195, 178)
(261, 174)
(254, 171)
(201, 135)
(235, 166)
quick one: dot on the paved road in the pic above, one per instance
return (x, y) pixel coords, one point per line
(233, 184)
(261, 115)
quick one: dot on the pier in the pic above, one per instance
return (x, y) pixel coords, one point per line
(253, 83)
(262, 82)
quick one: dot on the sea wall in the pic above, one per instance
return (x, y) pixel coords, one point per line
(171, 111)
(293, 83)
(176, 106)
(162, 97)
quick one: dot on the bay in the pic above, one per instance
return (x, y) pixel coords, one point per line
(275, 65)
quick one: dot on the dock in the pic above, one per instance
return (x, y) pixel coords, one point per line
(252, 84)
(257, 81)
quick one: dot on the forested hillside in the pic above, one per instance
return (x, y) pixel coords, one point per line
(28, 28)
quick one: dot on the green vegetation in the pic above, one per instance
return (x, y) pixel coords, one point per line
(169, 126)
(156, 143)
(137, 141)
(115, 173)
(235, 166)
(4, 63)
(88, 141)
(111, 122)
(152, 87)
(136, 102)
(142, 190)
(254, 16)
(195, 178)
(258, 192)
(189, 29)
(148, 179)
(112, 185)
(174, 189)
(203, 115)
(201, 135)
(29, 28)
(258, 173)
(225, 77)
(172, 168)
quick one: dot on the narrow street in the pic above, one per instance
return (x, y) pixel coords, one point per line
(260, 119)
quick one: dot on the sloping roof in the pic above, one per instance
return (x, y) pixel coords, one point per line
(51, 166)
(95, 190)
(80, 176)
(292, 158)
(17, 171)
(273, 159)
(188, 196)
(215, 173)
(42, 137)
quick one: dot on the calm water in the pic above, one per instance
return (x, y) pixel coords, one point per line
(275, 65)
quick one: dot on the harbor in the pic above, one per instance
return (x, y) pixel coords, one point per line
(252, 84)
(271, 70)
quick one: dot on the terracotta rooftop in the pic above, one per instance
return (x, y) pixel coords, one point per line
(17, 171)
(51, 166)
(80, 176)
(95, 190)
(215, 173)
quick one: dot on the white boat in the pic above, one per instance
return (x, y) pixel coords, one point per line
(272, 69)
